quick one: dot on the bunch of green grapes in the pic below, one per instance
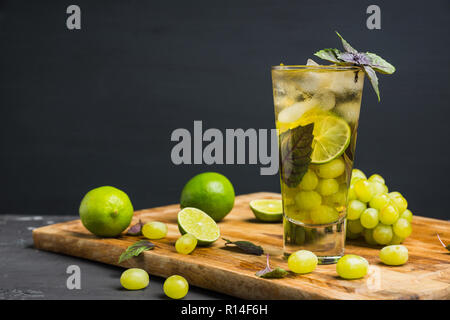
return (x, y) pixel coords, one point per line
(380, 216)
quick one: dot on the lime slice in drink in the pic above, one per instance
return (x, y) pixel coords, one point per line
(269, 210)
(331, 137)
(199, 224)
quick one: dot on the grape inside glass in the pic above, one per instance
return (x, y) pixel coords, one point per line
(316, 113)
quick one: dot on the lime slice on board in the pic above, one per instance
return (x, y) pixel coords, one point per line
(269, 210)
(199, 224)
(331, 137)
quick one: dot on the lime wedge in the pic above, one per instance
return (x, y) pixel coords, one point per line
(199, 224)
(269, 210)
(331, 137)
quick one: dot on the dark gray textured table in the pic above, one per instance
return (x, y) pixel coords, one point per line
(28, 273)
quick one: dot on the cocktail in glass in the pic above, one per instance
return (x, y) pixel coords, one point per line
(316, 112)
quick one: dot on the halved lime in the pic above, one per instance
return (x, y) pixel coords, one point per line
(269, 210)
(199, 224)
(331, 137)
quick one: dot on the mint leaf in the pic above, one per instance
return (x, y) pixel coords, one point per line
(270, 273)
(373, 79)
(330, 55)
(379, 64)
(346, 45)
(136, 249)
(295, 150)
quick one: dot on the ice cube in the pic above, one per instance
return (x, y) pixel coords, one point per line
(295, 111)
(311, 81)
(324, 99)
(311, 62)
(344, 81)
(282, 102)
(349, 111)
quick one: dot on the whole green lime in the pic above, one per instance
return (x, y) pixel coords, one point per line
(210, 192)
(106, 211)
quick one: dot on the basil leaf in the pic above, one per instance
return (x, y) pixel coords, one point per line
(275, 274)
(443, 244)
(330, 55)
(379, 64)
(136, 230)
(269, 273)
(136, 249)
(346, 45)
(373, 79)
(296, 149)
(246, 246)
(355, 58)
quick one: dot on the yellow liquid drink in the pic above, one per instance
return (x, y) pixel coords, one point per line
(316, 112)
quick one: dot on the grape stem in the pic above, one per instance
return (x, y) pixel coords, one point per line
(443, 244)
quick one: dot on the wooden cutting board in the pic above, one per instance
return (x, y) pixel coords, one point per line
(227, 270)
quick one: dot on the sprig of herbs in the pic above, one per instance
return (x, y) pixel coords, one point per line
(136, 249)
(368, 61)
(443, 244)
(270, 273)
(246, 246)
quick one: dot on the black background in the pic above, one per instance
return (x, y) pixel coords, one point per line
(97, 106)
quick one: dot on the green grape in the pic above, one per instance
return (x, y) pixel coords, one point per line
(394, 255)
(327, 187)
(377, 187)
(368, 236)
(389, 214)
(154, 230)
(309, 180)
(398, 201)
(186, 244)
(134, 279)
(350, 235)
(307, 200)
(369, 218)
(302, 261)
(382, 234)
(299, 215)
(396, 239)
(364, 190)
(379, 201)
(355, 226)
(407, 214)
(395, 194)
(386, 189)
(377, 178)
(324, 214)
(356, 173)
(352, 266)
(331, 169)
(354, 209)
(402, 228)
(176, 287)
(351, 193)
(337, 199)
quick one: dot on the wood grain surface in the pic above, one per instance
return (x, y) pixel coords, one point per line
(227, 270)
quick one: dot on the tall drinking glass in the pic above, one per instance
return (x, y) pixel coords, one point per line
(316, 113)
